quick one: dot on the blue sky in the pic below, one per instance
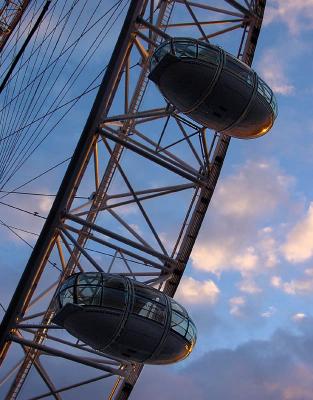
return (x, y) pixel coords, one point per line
(254, 253)
(249, 283)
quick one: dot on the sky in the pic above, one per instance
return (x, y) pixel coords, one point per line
(249, 283)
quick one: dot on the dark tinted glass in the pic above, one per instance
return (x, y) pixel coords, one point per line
(268, 92)
(185, 49)
(90, 278)
(264, 90)
(162, 51)
(153, 62)
(274, 106)
(191, 333)
(209, 54)
(66, 296)
(149, 293)
(149, 309)
(179, 323)
(112, 298)
(88, 295)
(114, 282)
(177, 307)
(238, 68)
(69, 282)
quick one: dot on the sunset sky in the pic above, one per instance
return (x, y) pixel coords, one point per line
(249, 283)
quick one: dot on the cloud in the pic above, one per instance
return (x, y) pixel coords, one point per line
(299, 244)
(276, 281)
(298, 316)
(214, 258)
(192, 291)
(308, 271)
(246, 260)
(253, 191)
(271, 68)
(269, 248)
(298, 287)
(297, 15)
(231, 238)
(294, 286)
(45, 204)
(235, 306)
(280, 368)
(249, 286)
(269, 312)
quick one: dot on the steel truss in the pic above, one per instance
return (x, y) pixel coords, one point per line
(11, 12)
(137, 155)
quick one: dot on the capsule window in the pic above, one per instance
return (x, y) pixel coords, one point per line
(112, 298)
(264, 89)
(191, 333)
(209, 54)
(114, 282)
(162, 51)
(268, 92)
(177, 307)
(149, 309)
(69, 282)
(179, 323)
(89, 295)
(236, 67)
(274, 106)
(149, 293)
(154, 61)
(185, 49)
(92, 278)
(261, 87)
(67, 296)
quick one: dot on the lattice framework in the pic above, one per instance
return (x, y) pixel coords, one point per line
(138, 157)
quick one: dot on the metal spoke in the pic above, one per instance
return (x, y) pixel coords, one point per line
(176, 160)
(118, 237)
(195, 20)
(108, 360)
(147, 153)
(69, 387)
(213, 22)
(143, 212)
(42, 295)
(175, 189)
(210, 8)
(230, 29)
(82, 250)
(128, 227)
(11, 372)
(73, 256)
(238, 6)
(146, 261)
(68, 356)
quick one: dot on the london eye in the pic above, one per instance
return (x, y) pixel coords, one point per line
(97, 290)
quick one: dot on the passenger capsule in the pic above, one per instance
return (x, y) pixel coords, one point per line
(125, 319)
(213, 88)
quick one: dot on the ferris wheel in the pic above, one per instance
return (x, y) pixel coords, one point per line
(97, 291)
